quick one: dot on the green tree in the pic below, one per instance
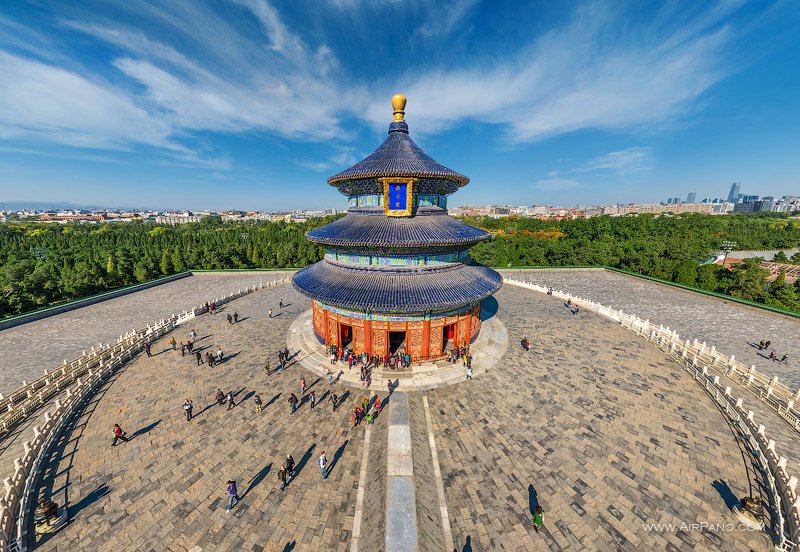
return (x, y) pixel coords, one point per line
(166, 262)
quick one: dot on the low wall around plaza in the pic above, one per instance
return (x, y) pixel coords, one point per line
(706, 366)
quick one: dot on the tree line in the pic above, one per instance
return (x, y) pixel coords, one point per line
(44, 264)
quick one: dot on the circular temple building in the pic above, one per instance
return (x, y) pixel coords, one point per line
(397, 275)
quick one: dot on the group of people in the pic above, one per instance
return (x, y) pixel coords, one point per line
(362, 412)
(462, 353)
(764, 345)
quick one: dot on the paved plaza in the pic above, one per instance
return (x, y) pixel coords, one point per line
(731, 327)
(30, 349)
(595, 424)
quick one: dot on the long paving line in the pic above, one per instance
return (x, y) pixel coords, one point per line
(362, 483)
(437, 473)
(401, 508)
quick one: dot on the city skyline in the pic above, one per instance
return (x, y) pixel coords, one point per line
(251, 105)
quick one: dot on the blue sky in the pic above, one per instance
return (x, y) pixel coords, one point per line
(252, 104)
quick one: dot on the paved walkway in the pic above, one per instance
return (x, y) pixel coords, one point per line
(727, 325)
(595, 424)
(32, 348)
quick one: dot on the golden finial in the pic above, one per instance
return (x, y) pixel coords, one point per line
(399, 105)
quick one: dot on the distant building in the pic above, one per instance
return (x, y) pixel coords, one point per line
(180, 218)
(733, 195)
(669, 201)
(691, 197)
(676, 201)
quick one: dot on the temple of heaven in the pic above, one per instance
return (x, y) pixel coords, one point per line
(397, 275)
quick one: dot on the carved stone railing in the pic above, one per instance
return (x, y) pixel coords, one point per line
(76, 380)
(700, 361)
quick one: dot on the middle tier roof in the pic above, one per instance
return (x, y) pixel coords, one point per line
(360, 230)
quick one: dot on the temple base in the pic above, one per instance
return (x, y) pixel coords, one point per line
(487, 349)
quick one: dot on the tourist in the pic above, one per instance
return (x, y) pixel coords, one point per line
(209, 359)
(232, 494)
(323, 465)
(526, 344)
(785, 359)
(353, 418)
(173, 343)
(312, 399)
(219, 355)
(118, 434)
(329, 377)
(286, 354)
(408, 360)
(280, 303)
(364, 403)
(469, 372)
(767, 344)
(267, 367)
(235, 317)
(377, 404)
(230, 319)
(282, 476)
(213, 308)
(147, 350)
(333, 358)
(187, 406)
(370, 419)
(569, 302)
(183, 349)
(193, 336)
(230, 401)
(190, 347)
(302, 386)
(538, 518)
(290, 465)
(258, 403)
(220, 397)
(761, 345)
(293, 402)
(389, 386)
(334, 400)
(270, 313)
(199, 358)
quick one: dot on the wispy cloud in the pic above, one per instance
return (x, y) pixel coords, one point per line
(446, 17)
(343, 157)
(631, 160)
(596, 72)
(556, 184)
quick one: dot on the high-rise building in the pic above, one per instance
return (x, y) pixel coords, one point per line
(676, 201)
(733, 195)
(669, 201)
(691, 197)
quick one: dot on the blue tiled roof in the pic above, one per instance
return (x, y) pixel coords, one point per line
(378, 230)
(397, 290)
(398, 156)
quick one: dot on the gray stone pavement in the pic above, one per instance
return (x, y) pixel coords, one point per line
(596, 424)
(598, 427)
(727, 325)
(32, 348)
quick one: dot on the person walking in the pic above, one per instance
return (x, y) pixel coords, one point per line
(199, 358)
(189, 346)
(377, 404)
(220, 397)
(270, 313)
(313, 399)
(147, 350)
(302, 386)
(258, 403)
(280, 303)
(183, 349)
(538, 518)
(232, 494)
(329, 376)
(235, 317)
(173, 343)
(282, 476)
(469, 372)
(334, 401)
(293, 402)
(209, 359)
(187, 406)
(219, 355)
(230, 401)
(118, 435)
(290, 465)
(267, 367)
(230, 319)
(193, 336)
(323, 465)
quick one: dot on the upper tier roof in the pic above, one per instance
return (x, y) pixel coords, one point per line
(398, 156)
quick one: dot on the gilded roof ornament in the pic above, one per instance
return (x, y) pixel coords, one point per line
(399, 106)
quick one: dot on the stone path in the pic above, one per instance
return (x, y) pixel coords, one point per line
(727, 325)
(595, 424)
(30, 349)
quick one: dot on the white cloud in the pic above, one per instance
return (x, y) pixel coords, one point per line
(629, 160)
(591, 73)
(446, 18)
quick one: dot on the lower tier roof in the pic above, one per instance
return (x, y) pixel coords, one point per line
(397, 290)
